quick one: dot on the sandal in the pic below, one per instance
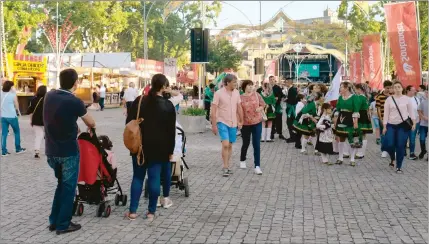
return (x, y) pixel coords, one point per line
(149, 216)
(392, 164)
(131, 216)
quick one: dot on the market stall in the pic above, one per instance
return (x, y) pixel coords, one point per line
(27, 73)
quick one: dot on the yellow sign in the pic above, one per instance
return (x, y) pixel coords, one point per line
(28, 66)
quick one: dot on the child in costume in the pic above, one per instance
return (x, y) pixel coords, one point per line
(305, 122)
(326, 136)
(270, 101)
(364, 121)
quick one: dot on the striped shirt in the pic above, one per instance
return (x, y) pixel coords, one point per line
(379, 103)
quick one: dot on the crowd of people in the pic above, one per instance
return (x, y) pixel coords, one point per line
(339, 127)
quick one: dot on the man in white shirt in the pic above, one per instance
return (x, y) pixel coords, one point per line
(102, 96)
(411, 93)
(130, 94)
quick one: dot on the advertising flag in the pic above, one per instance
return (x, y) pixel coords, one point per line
(334, 89)
(402, 31)
(357, 68)
(372, 68)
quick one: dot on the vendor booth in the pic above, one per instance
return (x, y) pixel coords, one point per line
(27, 73)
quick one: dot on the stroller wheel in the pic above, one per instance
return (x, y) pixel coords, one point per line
(124, 200)
(117, 200)
(80, 209)
(100, 209)
(146, 190)
(107, 211)
(186, 184)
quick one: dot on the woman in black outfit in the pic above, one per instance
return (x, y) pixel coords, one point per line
(36, 112)
(159, 132)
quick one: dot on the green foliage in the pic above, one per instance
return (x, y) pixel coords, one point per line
(194, 112)
(223, 55)
(423, 11)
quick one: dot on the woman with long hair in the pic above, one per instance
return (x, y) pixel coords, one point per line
(364, 120)
(399, 119)
(346, 121)
(158, 136)
(36, 112)
(270, 103)
(253, 105)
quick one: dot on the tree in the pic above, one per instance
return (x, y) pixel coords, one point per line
(223, 55)
(423, 12)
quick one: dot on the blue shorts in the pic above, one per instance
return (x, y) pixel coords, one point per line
(376, 123)
(227, 133)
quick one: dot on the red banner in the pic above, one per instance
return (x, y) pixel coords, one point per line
(372, 69)
(402, 31)
(356, 68)
(152, 66)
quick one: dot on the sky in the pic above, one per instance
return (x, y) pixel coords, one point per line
(294, 9)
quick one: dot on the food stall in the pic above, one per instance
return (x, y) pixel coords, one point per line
(27, 73)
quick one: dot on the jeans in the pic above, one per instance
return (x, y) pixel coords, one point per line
(154, 170)
(423, 131)
(255, 131)
(382, 138)
(66, 170)
(101, 102)
(395, 141)
(412, 136)
(13, 122)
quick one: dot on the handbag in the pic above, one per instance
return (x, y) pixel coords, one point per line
(406, 124)
(264, 115)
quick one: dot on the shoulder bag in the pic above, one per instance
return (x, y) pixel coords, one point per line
(406, 124)
(264, 116)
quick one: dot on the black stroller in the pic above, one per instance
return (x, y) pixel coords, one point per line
(96, 178)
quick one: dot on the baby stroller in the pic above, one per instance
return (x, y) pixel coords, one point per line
(96, 178)
(178, 166)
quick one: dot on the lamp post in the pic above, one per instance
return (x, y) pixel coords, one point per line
(297, 48)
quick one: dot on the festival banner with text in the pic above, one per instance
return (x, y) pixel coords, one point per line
(402, 31)
(372, 68)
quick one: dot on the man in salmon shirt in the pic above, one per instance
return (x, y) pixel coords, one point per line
(227, 115)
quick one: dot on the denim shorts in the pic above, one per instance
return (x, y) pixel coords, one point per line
(376, 123)
(227, 133)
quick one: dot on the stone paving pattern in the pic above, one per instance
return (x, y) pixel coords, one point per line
(296, 200)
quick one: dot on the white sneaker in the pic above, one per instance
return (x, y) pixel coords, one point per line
(258, 170)
(167, 203)
(384, 154)
(158, 204)
(243, 165)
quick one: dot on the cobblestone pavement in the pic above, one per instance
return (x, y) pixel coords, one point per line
(296, 200)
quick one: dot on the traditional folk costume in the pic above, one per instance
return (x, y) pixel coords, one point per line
(303, 123)
(325, 137)
(347, 109)
(269, 110)
(364, 123)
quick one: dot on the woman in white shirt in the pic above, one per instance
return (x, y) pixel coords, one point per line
(398, 110)
(411, 93)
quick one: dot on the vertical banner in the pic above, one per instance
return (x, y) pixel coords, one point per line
(402, 31)
(372, 68)
(357, 68)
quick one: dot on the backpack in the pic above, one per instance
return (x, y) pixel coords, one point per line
(133, 136)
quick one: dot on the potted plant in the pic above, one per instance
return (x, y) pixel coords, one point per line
(193, 120)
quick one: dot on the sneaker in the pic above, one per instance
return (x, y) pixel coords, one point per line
(353, 164)
(258, 170)
(339, 162)
(243, 165)
(317, 153)
(53, 227)
(384, 154)
(23, 150)
(413, 156)
(158, 203)
(359, 157)
(229, 172)
(378, 141)
(422, 154)
(346, 156)
(399, 171)
(225, 172)
(167, 203)
(5, 154)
